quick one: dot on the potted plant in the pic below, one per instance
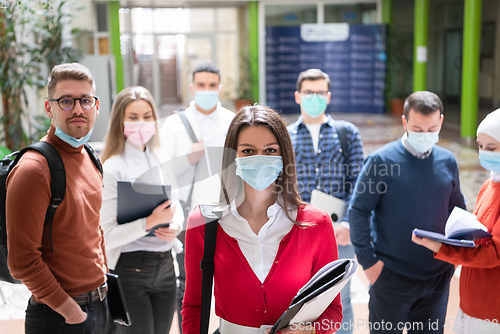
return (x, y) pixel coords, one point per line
(244, 89)
(400, 70)
(29, 40)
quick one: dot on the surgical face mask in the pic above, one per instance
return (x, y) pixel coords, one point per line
(70, 140)
(314, 105)
(139, 133)
(259, 171)
(423, 141)
(206, 99)
(490, 160)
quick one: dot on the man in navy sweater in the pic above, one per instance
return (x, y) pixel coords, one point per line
(408, 183)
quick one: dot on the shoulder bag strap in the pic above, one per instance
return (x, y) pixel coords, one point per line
(189, 129)
(207, 264)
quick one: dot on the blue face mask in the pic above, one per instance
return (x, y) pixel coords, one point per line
(422, 141)
(206, 99)
(490, 160)
(72, 141)
(259, 171)
(314, 105)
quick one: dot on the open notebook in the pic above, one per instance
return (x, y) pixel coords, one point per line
(461, 229)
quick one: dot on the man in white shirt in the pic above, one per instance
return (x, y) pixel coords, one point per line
(210, 122)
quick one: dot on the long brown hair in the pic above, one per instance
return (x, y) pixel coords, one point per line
(115, 138)
(286, 183)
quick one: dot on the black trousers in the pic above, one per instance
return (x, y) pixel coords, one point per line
(148, 281)
(181, 288)
(398, 302)
(41, 319)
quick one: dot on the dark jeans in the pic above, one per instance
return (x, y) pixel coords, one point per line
(346, 252)
(398, 302)
(41, 319)
(148, 281)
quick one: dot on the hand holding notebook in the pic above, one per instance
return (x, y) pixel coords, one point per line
(138, 200)
(461, 229)
(317, 294)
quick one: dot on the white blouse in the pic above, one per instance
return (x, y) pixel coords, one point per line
(129, 166)
(261, 249)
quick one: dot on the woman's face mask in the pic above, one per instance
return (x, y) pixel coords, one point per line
(140, 132)
(490, 160)
(259, 171)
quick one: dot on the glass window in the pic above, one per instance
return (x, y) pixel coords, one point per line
(124, 14)
(103, 45)
(171, 20)
(291, 15)
(102, 16)
(227, 19)
(142, 20)
(228, 60)
(201, 19)
(352, 14)
(84, 41)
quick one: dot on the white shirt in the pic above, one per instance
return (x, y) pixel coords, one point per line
(128, 166)
(212, 130)
(259, 250)
(314, 130)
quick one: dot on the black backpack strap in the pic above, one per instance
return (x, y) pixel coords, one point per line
(342, 132)
(57, 179)
(94, 157)
(207, 264)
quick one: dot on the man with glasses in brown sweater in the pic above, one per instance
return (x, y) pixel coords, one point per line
(64, 267)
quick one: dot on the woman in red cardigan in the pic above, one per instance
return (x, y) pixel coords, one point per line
(269, 243)
(480, 276)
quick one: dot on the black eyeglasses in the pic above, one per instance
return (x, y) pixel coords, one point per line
(321, 93)
(67, 103)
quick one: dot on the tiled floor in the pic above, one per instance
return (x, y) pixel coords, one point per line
(376, 130)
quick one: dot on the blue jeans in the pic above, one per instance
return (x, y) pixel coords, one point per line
(41, 319)
(148, 281)
(346, 252)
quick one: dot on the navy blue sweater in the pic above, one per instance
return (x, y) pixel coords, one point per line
(395, 193)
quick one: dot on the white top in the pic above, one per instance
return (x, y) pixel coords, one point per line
(212, 130)
(495, 176)
(314, 130)
(259, 250)
(128, 166)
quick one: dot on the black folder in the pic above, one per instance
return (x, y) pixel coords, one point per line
(315, 296)
(116, 301)
(138, 200)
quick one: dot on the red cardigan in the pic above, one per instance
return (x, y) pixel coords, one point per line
(480, 275)
(240, 297)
